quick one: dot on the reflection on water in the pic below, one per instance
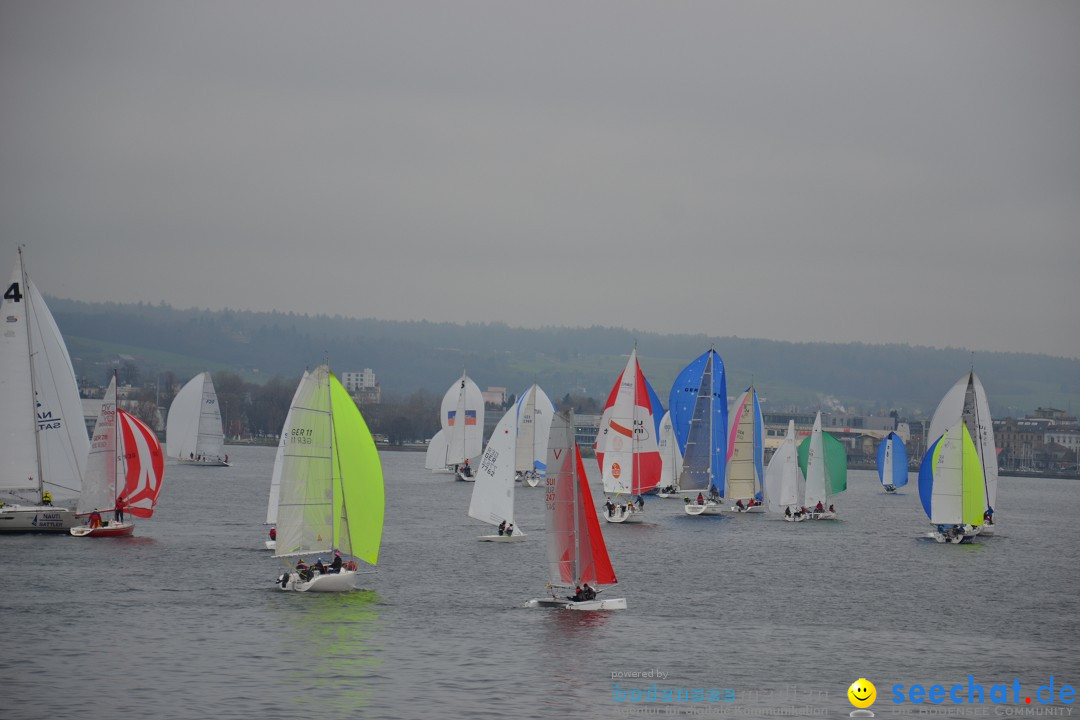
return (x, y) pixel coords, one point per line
(329, 638)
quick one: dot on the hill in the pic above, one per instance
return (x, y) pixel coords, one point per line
(408, 356)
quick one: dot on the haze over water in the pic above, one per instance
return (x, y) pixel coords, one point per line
(184, 621)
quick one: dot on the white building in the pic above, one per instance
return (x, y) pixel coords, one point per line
(363, 380)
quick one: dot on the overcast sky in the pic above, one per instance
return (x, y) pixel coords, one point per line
(834, 171)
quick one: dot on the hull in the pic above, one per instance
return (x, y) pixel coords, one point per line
(597, 604)
(752, 510)
(630, 515)
(823, 515)
(955, 536)
(501, 538)
(792, 518)
(204, 463)
(344, 581)
(890, 489)
(459, 475)
(530, 478)
(113, 529)
(673, 493)
(271, 544)
(709, 508)
(36, 518)
(986, 530)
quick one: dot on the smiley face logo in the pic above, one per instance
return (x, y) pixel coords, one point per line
(862, 693)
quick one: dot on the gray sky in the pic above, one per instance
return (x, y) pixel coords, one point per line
(833, 171)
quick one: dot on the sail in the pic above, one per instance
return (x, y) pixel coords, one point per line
(823, 460)
(575, 546)
(967, 400)
(745, 448)
(952, 473)
(435, 457)
(892, 462)
(45, 443)
(99, 485)
(193, 425)
(684, 393)
(534, 410)
(464, 422)
(669, 453)
(705, 445)
(359, 493)
(782, 475)
(493, 492)
(275, 475)
(626, 445)
(143, 464)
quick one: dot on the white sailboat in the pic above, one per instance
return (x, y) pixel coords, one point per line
(193, 431)
(746, 455)
(966, 400)
(331, 500)
(43, 435)
(577, 557)
(783, 479)
(124, 472)
(275, 475)
(435, 457)
(823, 460)
(952, 487)
(671, 459)
(533, 412)
(462, 418)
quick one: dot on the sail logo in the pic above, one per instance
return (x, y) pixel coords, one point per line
(616, 470)
(46, 421)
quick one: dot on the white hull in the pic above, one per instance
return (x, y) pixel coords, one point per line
(752, 510)
(822, 515)
(459, 475)
(204, 463)
(966, 535)
(501, 538)
(624, 516)
(343, 581)
(986, 530)
(36, 518)
(271, 544)
(792, 518)
(597, 604)
(709, 508)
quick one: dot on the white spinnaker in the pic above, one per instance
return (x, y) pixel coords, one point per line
(465, 434)
(435, 457)
(670, 456)
(967, 400)
(782, 475)
(275, 474)
(493, 493)
(816, 490)
(617, 426)
(193, 426)
(99, 485)
(534, 413)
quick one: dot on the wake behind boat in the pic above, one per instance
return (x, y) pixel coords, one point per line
(576, 554)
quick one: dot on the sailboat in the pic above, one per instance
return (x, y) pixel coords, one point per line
(698, 409)
(43, 435)
(892, 463)
(671, 459)
(331, 494)
(193, 431)
(532, 418)
(626, 445)
(462, 418)
(514, 448)
(435, 457)
(952, 487)
(125, 469)
(823, 460)
(275, 474)
(966, 400)
(746, 454)
(576, 554)
(783, 478)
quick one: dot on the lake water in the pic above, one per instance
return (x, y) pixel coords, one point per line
(184, 621)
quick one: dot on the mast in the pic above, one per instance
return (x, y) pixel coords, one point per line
(574, 478)
(33, 382)
(635, 465)
(335, 523)
(117, 458)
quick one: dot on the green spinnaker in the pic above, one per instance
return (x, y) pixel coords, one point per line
(359, 500)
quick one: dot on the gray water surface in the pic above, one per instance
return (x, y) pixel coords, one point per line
(184, 621)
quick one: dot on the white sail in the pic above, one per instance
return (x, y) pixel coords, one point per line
(669, 453)
(99, 486)
(815, 468)
(275, 475)
(534, 412)
(465, 423)
(45, 443)
(193, 427)
(493, 494)
(966, 400)
(435, 458)
(782, 475)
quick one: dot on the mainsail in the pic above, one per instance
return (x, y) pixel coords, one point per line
(193, 427)
(745, 449)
